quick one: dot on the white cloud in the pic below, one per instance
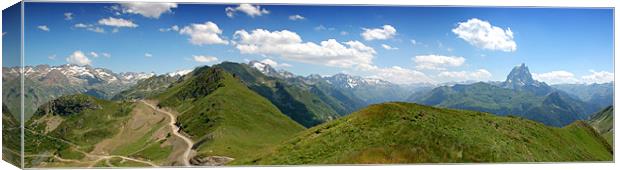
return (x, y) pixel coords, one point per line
(414, 42)
(106, 55)
(148, 9)
(89, 27)
(68, 16)
(479, 74)
(248, 9)
(204, 59)
(323, 28)
(173, 28)
(43, 28)
(289, 45)
(386, 32)
(344, 33)
(117, 22)
(78, 58)
(556, 77)
(200, 34)
(94, 54)
(148, 55)
(274, 63)
(437, 62)
(398, 75)
(52, 57)
(598, 77)
(565, 77)
(296, 17)
(482, 34)
(387, 47)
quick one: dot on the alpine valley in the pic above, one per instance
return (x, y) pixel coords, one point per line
(251, 113)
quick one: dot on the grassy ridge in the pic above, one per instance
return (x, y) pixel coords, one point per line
(603, 122)
(411, 133)
(224, 117)
(297, 101)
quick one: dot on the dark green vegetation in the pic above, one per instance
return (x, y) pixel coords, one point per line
(411, 133)
(519, 95)
(71, 125)
(307, 104)
(147, 88)
(603, 122)
(223, 116)
(11, 137)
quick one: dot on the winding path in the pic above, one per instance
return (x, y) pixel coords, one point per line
(175, 131)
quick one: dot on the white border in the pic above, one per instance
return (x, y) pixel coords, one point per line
(497, 3)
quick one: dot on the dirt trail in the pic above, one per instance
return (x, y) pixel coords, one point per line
(175, 131)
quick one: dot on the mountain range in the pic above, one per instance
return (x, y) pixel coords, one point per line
(250, 113)
(519, 95)
(43, 83)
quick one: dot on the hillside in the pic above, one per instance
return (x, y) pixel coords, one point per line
(11, 145)
(300, 103)
(603, 122)
(223, 117)
(411, 133)
(74, 118)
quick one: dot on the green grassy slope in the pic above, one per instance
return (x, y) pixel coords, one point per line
(78, 119)
(295, 100)
(411, 133)
(603, 122)
(224, 117)
(11, 132)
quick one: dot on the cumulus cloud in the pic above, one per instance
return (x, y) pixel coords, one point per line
(68, 16)
(106, 55)
(383, 33)
(52, 57)
(200, 34)
(43, 28)
(248, 9)
(398, 75)
(437, 62)
(273, 63)
(290, 46)
(556, 77)
(482, 34)
(598, 77)
(78, 58)
(387, 47)
(296, 17)
(147, 9)
(117, 22)
(479, 74)
(204, 59)
(148, 55)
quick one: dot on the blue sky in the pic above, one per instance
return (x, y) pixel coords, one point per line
(559, 45)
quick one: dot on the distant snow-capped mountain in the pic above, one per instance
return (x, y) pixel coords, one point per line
(76, 75)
